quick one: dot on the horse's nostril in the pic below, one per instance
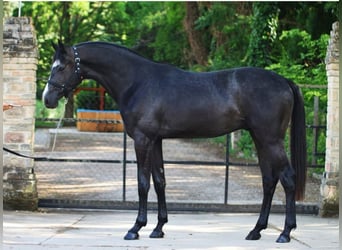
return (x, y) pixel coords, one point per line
(47, 103)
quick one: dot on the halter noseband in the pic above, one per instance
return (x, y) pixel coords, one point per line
(64, 87)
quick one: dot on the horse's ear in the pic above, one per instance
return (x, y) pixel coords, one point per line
(61, 45)
(55, 46)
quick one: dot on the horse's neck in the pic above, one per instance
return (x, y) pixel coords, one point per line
(113, 68)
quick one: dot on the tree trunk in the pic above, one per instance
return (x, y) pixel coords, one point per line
(198, 49)
(66, 36)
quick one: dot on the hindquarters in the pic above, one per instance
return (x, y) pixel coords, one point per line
(266, 101)
(268, 126)
(270, 103)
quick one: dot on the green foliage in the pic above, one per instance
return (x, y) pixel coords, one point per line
(246, 146)
(170, 41)
(43, 112)
(227, 30)
(264, 33)
(301, 59)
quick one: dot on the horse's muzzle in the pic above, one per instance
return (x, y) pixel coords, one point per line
(50, 104)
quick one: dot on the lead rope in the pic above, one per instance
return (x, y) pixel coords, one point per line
(54, 141)
(58, 126)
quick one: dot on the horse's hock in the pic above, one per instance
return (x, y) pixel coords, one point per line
(20, 59)
(330, 182)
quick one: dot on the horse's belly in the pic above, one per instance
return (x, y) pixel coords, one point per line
(208, 124)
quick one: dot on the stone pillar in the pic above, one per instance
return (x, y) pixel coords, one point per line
(330, 180)
(20, 59)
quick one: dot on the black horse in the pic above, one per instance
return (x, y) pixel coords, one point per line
(160, 101)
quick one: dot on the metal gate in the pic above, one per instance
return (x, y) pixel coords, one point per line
(98, 170)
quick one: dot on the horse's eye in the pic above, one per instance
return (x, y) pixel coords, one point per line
(61, 67)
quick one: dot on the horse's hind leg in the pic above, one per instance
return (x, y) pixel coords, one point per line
(272, 159)
(159, 185)
(287, 179)
(269, 184)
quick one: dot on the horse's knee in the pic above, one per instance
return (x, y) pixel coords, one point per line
(269, 184)
(143, 188)
(287, 179)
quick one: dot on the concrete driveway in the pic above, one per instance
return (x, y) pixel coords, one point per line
(81, 229)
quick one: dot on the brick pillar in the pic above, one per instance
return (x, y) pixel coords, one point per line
(330, 180)
(20, 61)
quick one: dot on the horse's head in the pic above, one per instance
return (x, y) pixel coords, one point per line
(65, 75)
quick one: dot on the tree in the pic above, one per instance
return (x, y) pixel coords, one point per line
(313, 17)
(264, 33)
(158, 31)
(225, 28)
(198, 49)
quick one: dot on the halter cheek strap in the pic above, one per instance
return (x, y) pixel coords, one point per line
(77, 63)
(64, 87)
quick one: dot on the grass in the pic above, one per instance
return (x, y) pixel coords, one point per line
(42, 112)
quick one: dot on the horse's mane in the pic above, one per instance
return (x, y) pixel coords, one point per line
(109, 44)
(123, 48)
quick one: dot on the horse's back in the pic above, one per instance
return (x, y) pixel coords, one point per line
(237, 97)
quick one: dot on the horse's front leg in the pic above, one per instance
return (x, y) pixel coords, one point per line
(143, 153)
(159, 185)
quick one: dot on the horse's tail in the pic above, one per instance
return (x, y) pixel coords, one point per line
(298, 141)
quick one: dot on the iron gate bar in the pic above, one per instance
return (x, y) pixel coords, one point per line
(72, 120)
(124, 167)
(226, 184)
(85, 160)
(209, 163)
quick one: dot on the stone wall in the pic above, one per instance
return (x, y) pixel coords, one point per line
(20, 59)
(330, 181)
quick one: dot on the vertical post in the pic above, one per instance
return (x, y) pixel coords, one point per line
(19, 9)
(315, 131)
(330, 181)
(226, 184)
(20, 60)
(124, 166)
(102, 98)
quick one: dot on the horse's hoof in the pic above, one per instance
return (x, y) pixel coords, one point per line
(157, 234)
(283, 239)
(131, 236)
(253, 236)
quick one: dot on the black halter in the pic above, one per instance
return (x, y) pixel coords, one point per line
(64, 87)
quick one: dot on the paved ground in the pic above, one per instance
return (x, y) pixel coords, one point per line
(61, 229)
